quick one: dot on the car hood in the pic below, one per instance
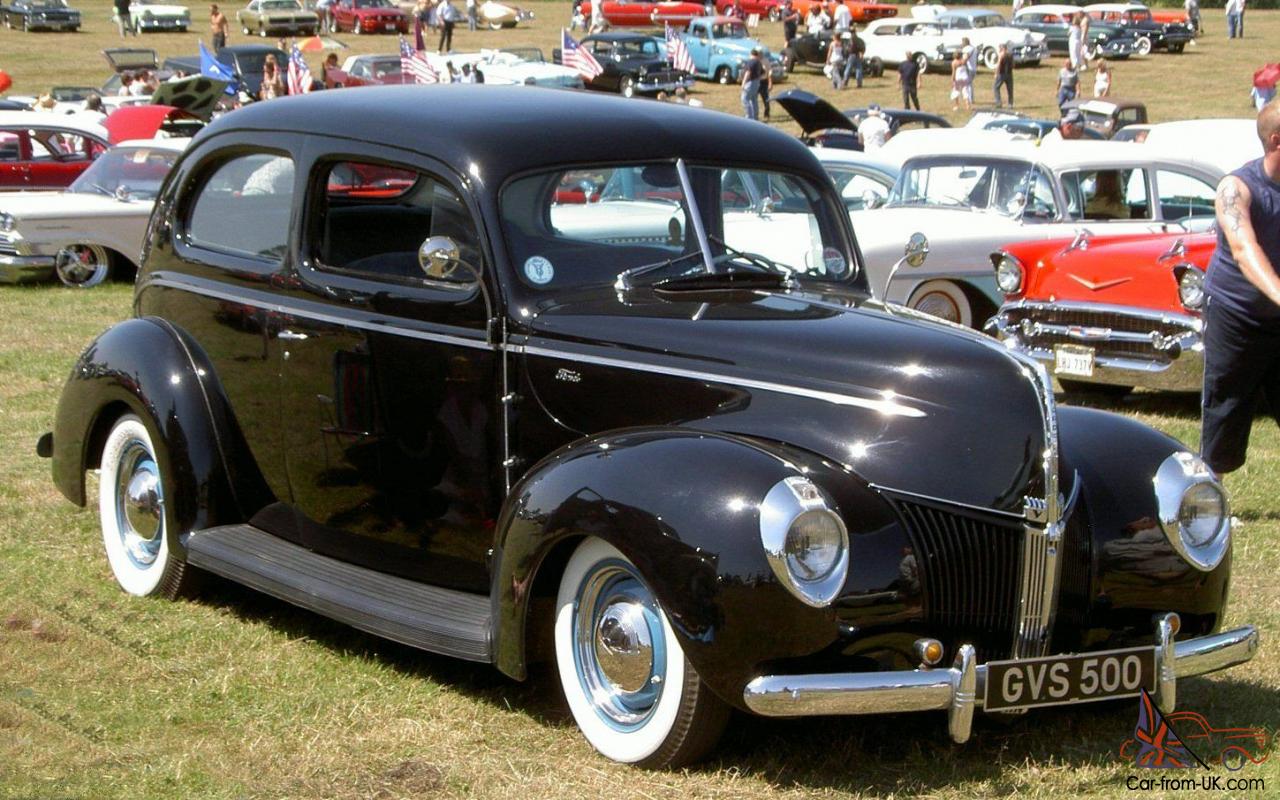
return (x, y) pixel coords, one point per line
(744, 46)
(379, 12)
(162, 11)
(886, 230)
(900, 401)
(812, 113)
(1117, 270)
(38, 206)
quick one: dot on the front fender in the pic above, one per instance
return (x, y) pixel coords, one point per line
(146, 367)
(1136, 572)
(683, 506)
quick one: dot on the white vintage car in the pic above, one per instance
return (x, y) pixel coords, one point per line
(502, 15)
(987, 30)
(971, 192)
(890, 40)
(520, 65)
(149, 16)
(94, 229)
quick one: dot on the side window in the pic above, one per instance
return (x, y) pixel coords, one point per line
(371, 219)
(857, 191)
(1183, 195)
(1107, 194)
(243, 207)
(1040, 207)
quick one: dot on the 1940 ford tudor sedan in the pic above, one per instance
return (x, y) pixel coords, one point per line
(376, 369)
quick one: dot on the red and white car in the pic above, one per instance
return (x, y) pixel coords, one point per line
(645, 13)
(863, 12)
(1108, 313)
(46, 151)
(368, 16)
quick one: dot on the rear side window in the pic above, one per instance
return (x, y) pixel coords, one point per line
(244, 207)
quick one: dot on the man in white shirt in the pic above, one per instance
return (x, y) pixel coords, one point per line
(817, 21)
(1235, 9)
(873, 129)
(843, 19)
(472, 9)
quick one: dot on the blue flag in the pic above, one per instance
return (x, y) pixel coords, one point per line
(211, 67)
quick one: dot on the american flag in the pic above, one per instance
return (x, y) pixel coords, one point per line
(573, 55)
(299, 73)
(678, 52)
(414, 64)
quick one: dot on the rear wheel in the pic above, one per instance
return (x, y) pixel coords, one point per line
(495, 26)
(1177, 48)
(262, 30)
(244, 29)
(82, 266)
(943, 299)
(131, 505)
(922, 62)
(724, 76)
(632, 692)
(1097, 389)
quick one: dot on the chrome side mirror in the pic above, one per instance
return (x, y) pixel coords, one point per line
(917, 249)
(438, 257)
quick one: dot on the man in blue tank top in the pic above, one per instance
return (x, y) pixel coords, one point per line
(1242, 319)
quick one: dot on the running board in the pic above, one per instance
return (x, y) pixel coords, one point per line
(443, 621)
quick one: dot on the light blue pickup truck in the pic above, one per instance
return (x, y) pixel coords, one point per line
(721, 45)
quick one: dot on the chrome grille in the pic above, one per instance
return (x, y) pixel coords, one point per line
(7, 248)
(1098, 321)
(970, 569)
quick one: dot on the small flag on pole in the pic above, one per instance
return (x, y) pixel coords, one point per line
(299, 73)
(414, 64)
(678, 52)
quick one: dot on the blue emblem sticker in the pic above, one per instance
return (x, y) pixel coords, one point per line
(539, 270)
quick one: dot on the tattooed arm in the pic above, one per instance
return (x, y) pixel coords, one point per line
(1232, 205)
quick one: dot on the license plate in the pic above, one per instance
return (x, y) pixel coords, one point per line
(1073, 360)
(1056, 680)
(391, 26)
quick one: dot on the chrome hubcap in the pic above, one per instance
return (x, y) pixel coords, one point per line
(939, 305)
(620, 646)
(77, 264)
(139, 503)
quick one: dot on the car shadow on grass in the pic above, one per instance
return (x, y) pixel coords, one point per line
(1179, 405)
(882, 754)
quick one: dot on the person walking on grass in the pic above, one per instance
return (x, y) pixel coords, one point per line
(1004, 74)
(752, 72)
(218, 27)
(1068, 83)
(1235, 12)
(909, 81)
(1102, 80)
(1242, 311)
(124, 20)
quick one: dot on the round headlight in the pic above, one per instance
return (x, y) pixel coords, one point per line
(6, 222)
(815, 543)
(1191, 287)
(1193, 511)
(1009, 274)
(1201, 513)
(805, 541)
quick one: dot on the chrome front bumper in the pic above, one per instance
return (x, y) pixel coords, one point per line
(1177, 359)
(24, 269)
(1030, 54)
(960, 689)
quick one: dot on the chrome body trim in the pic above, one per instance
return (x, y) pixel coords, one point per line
(1168, 317)
(961, 688)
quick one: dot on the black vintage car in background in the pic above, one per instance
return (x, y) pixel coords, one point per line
(384, 366)
(1137, 20)
(632, 63)
(31, 15)
(811, 50)
(1105, 39)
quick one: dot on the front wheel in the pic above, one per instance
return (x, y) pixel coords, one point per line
(82, 266)
(1144, 45)
(990, 58)
(632, 692)
(1177, 48)
(244, 29)
(1093, 52)
(875, 67)
(495, 26)
(131, 505)
(945, 300)
(627, 86)
(724, 76)
(922, 62)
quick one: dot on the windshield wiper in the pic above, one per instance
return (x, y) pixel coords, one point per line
(624, 281)
(767, 264)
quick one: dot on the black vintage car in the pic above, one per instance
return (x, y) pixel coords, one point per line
(823, 125)
(633, 64)
(1137, 20)
(30, 15)
(811, 50)
(1105, 40)
(383, 368)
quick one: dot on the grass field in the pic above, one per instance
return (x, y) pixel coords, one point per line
(236, 695)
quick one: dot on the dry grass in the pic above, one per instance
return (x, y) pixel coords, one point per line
(236, 695)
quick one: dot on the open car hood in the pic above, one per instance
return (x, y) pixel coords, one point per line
(143, 122)
(129, 58)
(812, 113)
(196, 95)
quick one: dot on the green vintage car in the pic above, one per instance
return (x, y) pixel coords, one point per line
(277, 16)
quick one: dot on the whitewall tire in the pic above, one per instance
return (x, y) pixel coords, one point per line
(943, 299)
(82, 266)
(632, 692)
(131, 505)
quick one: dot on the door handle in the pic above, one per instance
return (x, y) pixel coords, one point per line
(292, 336)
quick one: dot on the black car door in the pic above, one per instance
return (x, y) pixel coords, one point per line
(389, 383)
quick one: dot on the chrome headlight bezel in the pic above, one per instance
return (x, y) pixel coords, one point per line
(1010, 274)
(7, 222)
(790, 501)
(1190, 286)
(1177, 476)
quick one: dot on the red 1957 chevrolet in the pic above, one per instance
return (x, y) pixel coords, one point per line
(1107, 313)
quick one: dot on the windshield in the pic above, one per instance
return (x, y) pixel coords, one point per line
(585, 226)
(48, 4)
(251, 63)
(998, 186)
(373, 3)
(633, 47)
(281, 5)
(530, 54)
(135, 171)
(988, 21)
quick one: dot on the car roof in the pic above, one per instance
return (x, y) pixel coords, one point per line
(475, 137)
(617, 36)
(1114, 7)
(1050, 8)
(1057, 155)
(176, 144)
(840, 155)
(968, 12)
(1235, 140)
(1104, 105)
(35, 119)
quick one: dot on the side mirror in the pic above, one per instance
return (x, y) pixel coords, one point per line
(871, 200)
(438, 257)
(917, 249)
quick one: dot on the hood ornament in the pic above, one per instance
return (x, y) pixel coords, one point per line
(1100, 285)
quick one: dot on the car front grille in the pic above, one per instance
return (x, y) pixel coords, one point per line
(970, 568)
(1099, 324)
